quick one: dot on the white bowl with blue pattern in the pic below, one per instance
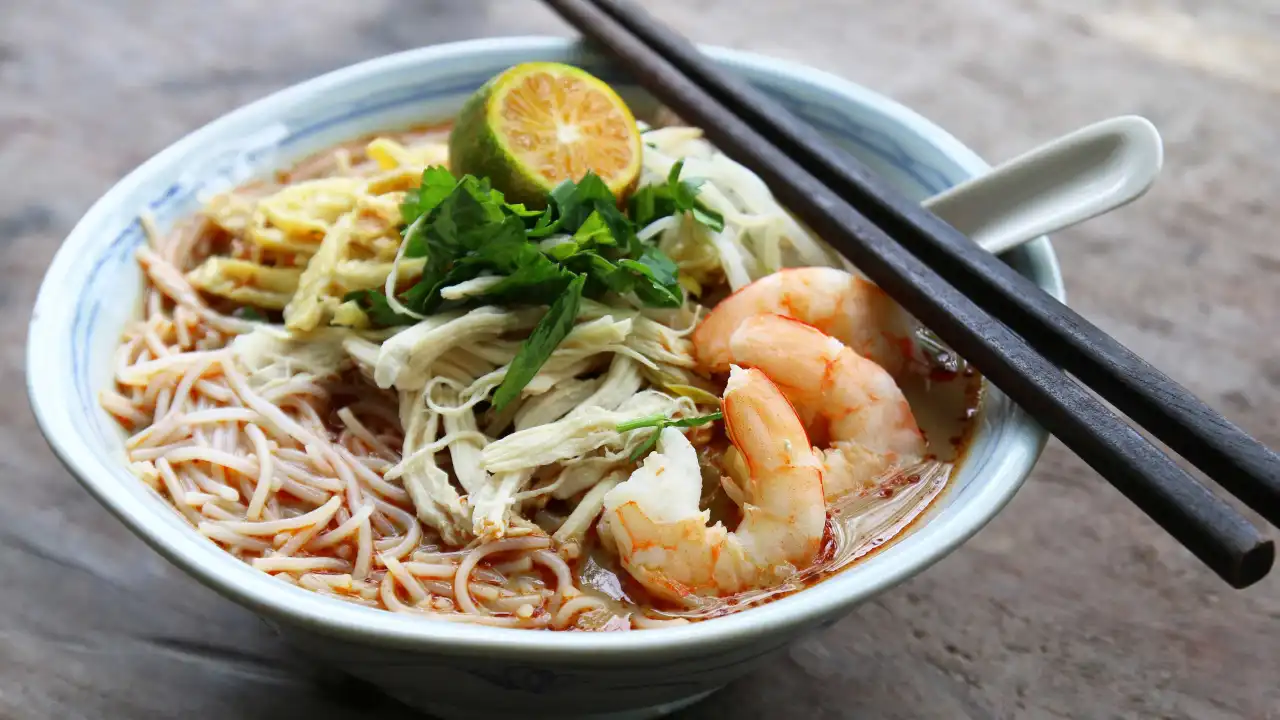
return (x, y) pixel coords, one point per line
(94, 286)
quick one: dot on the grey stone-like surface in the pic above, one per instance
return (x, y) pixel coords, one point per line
(1070, 604)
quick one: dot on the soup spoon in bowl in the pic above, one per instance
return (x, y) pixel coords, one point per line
(1065, 181)
(1061, 183)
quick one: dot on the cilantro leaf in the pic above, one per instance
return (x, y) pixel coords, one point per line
(592, 237)
(603, 276)
(684, 193)
(573, 204)
(654, 202)
(576, 201)
(649, 203)
(604, 243)
(462, 237)
(481, 189)
(544, 223)
(656, 278)
(532, 284)
(437, 184)
(533, 353)
(461, 221)
(644, 205)
(463, 228)
(519, 210)
(500, 247)
(594, 231)
(708, 217)
(531, 276)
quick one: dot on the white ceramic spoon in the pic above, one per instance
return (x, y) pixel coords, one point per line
(1066, 181)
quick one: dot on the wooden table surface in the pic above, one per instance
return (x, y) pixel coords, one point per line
(1070, 604)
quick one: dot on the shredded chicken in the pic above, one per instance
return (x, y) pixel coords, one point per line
(583, 431)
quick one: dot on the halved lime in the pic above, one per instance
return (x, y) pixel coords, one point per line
(538, 124)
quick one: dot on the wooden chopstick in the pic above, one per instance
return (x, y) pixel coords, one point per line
(1204, 524)
(1241, 464)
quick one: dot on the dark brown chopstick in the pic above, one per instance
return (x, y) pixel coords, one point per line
(1243, 466)
(1202, 522)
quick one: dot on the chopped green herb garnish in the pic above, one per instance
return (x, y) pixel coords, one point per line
(654, 202)
(437, 184)
(656, 278)
(658, 422)
(463, 228)
(594, 232)
(551, 329)
(575, 202)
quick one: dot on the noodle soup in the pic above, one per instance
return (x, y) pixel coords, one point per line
(320, 395)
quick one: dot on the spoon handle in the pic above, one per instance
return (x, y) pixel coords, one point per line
(1066, 181)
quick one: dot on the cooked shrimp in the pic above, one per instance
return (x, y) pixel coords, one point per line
(662, 537)
(850, 308)
(844, 399)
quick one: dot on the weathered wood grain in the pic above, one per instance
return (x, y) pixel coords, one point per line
(1070, 604)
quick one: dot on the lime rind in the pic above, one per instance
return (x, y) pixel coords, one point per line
(477, 146)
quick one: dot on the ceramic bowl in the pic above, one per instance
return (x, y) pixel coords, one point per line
(454, 670)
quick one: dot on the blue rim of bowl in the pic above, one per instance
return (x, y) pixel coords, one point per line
(300, 608)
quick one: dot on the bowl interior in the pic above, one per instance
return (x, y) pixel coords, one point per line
(93, 288)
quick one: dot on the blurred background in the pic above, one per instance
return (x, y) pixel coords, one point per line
(1070, 604)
